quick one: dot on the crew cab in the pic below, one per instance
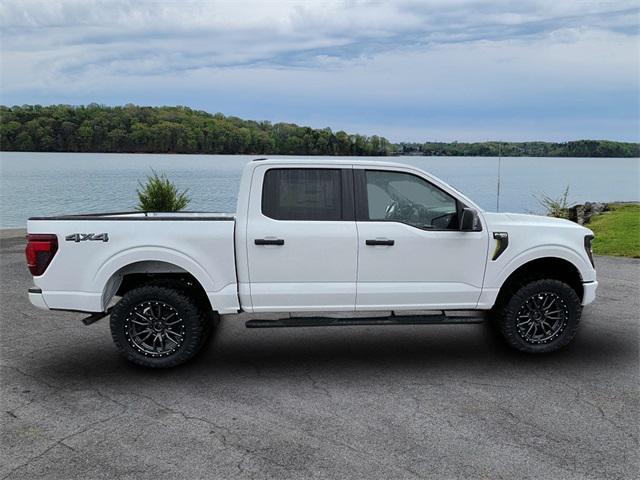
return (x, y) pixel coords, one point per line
(315, 236)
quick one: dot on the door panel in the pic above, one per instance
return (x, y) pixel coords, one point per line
(421, 270)
(411, 253)
(301, 265)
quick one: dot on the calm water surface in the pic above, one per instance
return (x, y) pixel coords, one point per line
(33, 184)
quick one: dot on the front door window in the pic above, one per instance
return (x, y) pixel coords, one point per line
(406, 198)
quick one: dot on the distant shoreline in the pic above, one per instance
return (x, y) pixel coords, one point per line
(131, 129)
(294, 155)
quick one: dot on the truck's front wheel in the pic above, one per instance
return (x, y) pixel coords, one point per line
(540, 316)
(157, 327)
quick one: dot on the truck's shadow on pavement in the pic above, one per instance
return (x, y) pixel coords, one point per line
(428, 350)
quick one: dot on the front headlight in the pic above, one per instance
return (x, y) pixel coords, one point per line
(588, 246)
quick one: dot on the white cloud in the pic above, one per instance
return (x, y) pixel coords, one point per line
(424, 58)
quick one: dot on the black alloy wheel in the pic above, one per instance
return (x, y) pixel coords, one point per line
(154, 328)
(542, 317)
(159, 326)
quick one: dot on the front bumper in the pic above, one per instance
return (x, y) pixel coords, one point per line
(36, 298)
(589, 292)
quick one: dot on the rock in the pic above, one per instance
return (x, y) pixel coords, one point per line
(582, 214)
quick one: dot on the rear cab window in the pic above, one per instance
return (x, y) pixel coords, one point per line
(304, 194)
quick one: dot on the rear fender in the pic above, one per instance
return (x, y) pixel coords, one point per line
(107, 278)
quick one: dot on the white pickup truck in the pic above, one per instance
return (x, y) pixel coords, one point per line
(316, 236)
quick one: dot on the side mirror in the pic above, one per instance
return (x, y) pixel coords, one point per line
(470, 221)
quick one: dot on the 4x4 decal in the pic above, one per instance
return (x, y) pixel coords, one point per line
(83, 237)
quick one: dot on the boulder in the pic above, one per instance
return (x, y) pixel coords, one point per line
(582, 214)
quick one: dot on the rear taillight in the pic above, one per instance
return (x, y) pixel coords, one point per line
(40, 251)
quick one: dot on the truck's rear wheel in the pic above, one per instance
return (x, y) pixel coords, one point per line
(540, 316)
(158, 327)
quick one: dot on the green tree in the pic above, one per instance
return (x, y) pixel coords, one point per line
(159, 194)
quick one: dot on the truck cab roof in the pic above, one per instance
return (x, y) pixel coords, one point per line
(331, 161)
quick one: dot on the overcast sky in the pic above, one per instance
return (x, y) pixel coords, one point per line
(408, 70)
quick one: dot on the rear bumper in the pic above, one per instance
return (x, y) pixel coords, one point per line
(69, 301)
(36, 298)
(589, 292)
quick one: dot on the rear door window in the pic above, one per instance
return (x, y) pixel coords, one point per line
(302, 194)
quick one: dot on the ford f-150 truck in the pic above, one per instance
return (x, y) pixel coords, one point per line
(315, 236)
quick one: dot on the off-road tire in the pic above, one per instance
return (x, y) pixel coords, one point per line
(210, 318)
(195, 323)
(507, 315)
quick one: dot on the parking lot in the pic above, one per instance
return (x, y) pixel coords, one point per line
(353, 402)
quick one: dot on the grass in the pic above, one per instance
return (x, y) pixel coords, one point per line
(617, 231)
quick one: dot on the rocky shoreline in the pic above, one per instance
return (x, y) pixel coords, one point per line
(582, 213)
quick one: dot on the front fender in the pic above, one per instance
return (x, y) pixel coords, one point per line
(577, 259)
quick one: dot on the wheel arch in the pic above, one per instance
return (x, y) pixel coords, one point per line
(498, 273)
(153, 263)
(551, 267)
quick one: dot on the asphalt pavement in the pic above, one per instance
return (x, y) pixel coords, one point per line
(390, 402)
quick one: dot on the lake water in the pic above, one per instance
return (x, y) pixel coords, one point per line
(35, 184)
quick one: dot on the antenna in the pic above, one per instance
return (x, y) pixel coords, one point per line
(499, 168)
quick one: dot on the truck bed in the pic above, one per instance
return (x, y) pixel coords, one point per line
(96, 250)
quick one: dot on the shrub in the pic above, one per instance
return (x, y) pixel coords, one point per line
(159, 194)
(556, 207)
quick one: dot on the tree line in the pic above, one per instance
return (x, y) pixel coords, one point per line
(136, 129)
(577, 148)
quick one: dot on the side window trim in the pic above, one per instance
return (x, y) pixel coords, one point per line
(361, 196)
(362, 199)
(347, 197)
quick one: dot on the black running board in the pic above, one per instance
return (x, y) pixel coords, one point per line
(93, 318)
(355, 321)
